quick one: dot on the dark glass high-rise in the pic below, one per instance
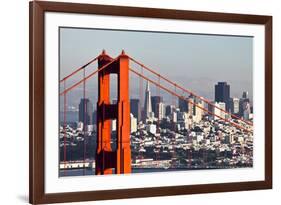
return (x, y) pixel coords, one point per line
(86, 111)
(135, 108)
(222, 94)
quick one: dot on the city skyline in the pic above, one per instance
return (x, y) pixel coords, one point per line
(75, 106)
(140, 111)
(226, 58)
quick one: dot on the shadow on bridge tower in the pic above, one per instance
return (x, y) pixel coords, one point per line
(116, 161)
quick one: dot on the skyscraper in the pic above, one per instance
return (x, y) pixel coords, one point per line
(245, 99)
(234, 105)
(222, 94)
(246, 110)
(86, 111)
(95, 117)
(160, 110)
(198, 113)
(155, 100)
(134, 125)
(217, 112)
(183, 105)
(187, 105)
(191, 108)
(245, 94)
(169, 109)
(147, 103)
(135, 108)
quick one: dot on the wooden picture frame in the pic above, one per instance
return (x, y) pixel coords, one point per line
(37, 193)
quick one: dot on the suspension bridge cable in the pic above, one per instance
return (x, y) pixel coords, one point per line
(190, 92)
(78, 69)
(195, 104)
(89, 76)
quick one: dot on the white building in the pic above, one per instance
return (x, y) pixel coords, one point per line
(134, 124)
(199, 138)
(161, 110)
(174, 117)
(246, 110)
(229, 139)
(191, 107)
(217, 110)
(147, 102)
(113, 125)
(90, 128)
(235, 105)
(151, 128)
(240, 139)
(80, 126)
(198, 114)
(184, 120)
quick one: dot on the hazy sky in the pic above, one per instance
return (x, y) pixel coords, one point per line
(197, 62)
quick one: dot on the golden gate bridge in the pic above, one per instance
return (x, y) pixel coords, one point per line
(119, 160)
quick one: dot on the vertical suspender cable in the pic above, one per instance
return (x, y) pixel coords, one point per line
(175, 98)
(141, 90)
(175, 102)
(64, 129)
(85, 120)
(141, 99)
(158, 119)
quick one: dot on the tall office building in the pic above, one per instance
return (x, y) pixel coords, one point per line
(113, 125)
(169, 109)
(133, 124)
(245, 94)
(86, 111)
(217, 112)
(147, 103)
(135, 108)
(95, 117)
(222, 94)
(244, 100)
(183, 105)
(191, 108)
(246, 110)
(198, 112)
(155, 100)
(234, 105)
(174, 116)
(160, 111)
(184, 120)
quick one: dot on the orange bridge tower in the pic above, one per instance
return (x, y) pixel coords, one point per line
(116, 161)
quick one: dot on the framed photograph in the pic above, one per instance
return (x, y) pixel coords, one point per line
(139, 102)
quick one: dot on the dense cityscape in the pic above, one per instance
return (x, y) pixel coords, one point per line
(164, 137)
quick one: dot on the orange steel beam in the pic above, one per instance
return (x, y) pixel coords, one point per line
(195, 104)
(88, 77)
(188, 91)
(78, 69)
